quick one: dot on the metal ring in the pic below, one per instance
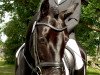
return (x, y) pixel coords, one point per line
(39, 72)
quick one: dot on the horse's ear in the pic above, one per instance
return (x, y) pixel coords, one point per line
(44, 6)
(84, 2)
(44, 10)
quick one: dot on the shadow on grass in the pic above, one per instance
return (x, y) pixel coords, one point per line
(6, 69)
(92, 73)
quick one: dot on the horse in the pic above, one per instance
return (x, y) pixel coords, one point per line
(45, 43)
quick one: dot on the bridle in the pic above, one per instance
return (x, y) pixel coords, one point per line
(49, 25)
(58, 65)
(38, 64)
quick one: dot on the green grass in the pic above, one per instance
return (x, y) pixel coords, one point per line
(6, 69)
(92, 71)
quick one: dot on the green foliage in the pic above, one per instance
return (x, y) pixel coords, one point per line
(26, 8)
(88, 31)
(15, 30)
(87, 38)
(6, 69)
(21, 12)
(1, 43)
(91, 13)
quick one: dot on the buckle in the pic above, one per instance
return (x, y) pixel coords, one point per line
(38, 69)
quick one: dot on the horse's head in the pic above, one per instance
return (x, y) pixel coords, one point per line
(51, 42)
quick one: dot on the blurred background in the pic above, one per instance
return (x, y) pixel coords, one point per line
(15, 16)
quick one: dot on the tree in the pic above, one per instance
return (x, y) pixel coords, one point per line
(88, 29)
(21, 12)
(25, 9)
(15, 32)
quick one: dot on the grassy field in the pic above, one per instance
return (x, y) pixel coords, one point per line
(9, 70)
(92, 71)
(6, 69)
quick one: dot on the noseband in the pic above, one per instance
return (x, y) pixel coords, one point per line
(38, 64)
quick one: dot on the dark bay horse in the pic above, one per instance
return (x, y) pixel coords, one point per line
(45, 43)
(44, 50)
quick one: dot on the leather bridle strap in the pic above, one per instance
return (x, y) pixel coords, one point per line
(30, 66)
(51, 64)
(49, 25)
(52, 27)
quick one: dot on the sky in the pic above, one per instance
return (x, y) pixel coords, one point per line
(3, 37)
